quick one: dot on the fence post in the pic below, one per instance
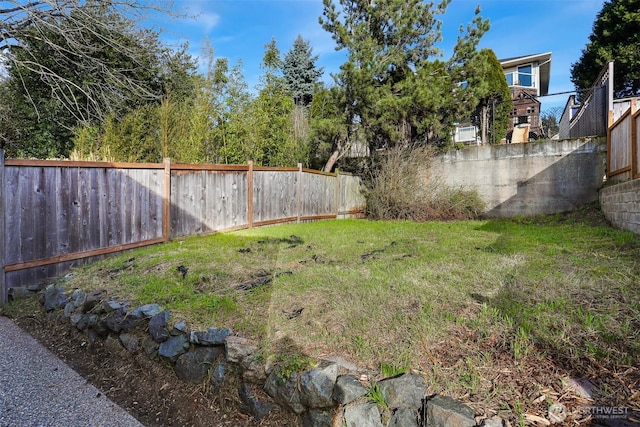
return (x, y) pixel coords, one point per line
(250, 194)
(166, 207)
(633, 138)
(299, 192)
(338, 193)
(3, 284)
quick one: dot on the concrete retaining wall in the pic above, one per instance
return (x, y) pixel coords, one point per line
(620, 204)
(529, 179)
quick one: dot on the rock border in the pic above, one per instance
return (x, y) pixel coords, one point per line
(331, 393)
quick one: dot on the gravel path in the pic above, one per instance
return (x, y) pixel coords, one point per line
(38, 389)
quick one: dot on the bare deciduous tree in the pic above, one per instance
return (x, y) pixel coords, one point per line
(96, 38)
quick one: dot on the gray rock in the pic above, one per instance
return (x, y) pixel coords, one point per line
(54, 297)
(101, 328)
(194, 365)
(75, 318)
(90, 301)
(239, 348)
(158, 326)
(114, 320)
(150, 347)
(87, 321)
(316, 386)
(69, 308)
(443, 411)
(251, 405)
(218, 374)
(404, 417)
(129, 323)
(174, 347)
(284, 391)
(213, 336)
(362, 415)
(405, 391)
(315, 418)
(494, 421)
(348, 389)
(180, 328)
(253, 371)
(146, 310)
(109, 306)
(113, 345)
(130, 342)
(79, 297)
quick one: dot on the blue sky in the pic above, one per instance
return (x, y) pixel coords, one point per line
(239, 29)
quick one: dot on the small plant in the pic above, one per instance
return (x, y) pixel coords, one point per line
(388, 370)
(521, 344)
(376, 396)
(293, 362)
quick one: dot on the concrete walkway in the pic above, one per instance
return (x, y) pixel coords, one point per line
(38, 389)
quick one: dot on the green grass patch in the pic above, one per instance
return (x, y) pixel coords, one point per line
(394, 295)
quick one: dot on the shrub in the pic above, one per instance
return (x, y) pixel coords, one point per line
(406, 186)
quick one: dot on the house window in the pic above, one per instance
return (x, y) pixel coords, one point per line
(509, 77)
(525, 76)
(522, 77)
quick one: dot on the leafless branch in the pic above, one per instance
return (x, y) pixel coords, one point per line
(79, 32)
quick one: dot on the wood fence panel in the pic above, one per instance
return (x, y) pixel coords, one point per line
(274, 195)
(318, 195)
(226, 198)
(620, 147)
(204, 201)
(351, 197)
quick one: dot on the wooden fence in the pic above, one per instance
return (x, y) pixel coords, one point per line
(623, 145)
(57, 213)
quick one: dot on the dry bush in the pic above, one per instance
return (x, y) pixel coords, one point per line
(405, 185)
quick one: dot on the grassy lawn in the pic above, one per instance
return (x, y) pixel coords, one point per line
(497, 312)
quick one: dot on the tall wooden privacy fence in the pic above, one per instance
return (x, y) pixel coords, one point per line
(56, 213)
(624, 144)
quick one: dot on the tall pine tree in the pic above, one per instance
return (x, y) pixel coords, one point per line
(300, 72)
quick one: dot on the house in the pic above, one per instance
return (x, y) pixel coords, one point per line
(528, 79)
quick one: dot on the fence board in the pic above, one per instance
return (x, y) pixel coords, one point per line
(620, 147)
(636, 144)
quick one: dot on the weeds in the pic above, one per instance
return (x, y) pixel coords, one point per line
(376, 396)
(406, 186)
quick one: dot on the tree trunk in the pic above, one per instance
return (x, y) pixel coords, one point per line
(332, 160)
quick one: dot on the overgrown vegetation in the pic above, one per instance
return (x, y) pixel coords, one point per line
(406, 184)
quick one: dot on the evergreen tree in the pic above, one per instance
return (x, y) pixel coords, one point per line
(393, 88)
(615, 37)
(300, 72)
(489, 86)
